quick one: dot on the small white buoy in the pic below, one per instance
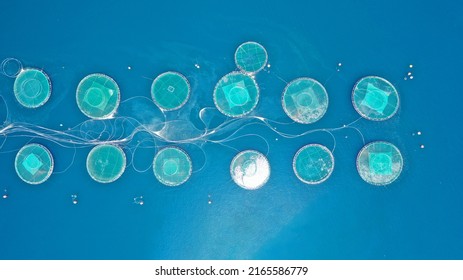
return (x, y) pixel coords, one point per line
(411, 66)
(138, 200)
(419, 133)
(197, 66)
(74, 199)
(411, 77)
(422, 146)
(268, 65)
(409, 73)
(130, 68)
(5, 196)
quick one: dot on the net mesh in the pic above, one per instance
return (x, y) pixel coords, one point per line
(313, 164)
(98, 96)
(251, 57)
(32, 88)
(34, 164)
(172, 166)
(106, 163)
(170, 91)
(305, 100)
(379, 163)
(375, 98)
(236, 94)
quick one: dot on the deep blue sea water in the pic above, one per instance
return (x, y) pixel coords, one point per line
(416, 217)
